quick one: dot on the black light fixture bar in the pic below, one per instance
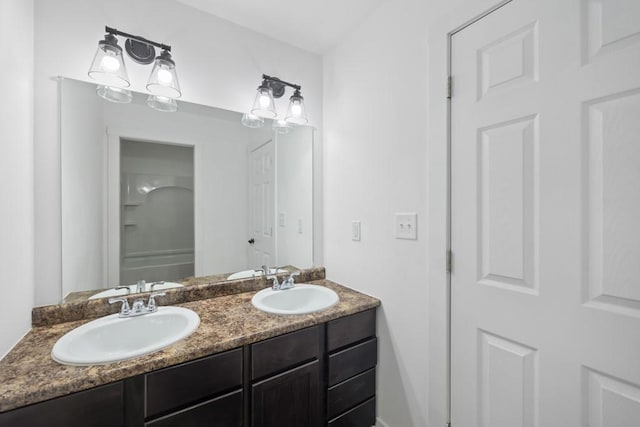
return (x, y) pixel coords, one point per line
(137, 38)
(275, 79)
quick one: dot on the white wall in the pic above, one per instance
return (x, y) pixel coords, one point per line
(374, 165)
(294, 165)
(218, 63)
(83, 161)
(16, 170)
(385, 151)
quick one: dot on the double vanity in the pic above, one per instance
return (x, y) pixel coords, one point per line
(242, 366)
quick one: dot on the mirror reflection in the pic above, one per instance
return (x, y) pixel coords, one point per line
(151, 200)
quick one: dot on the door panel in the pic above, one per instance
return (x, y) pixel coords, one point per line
(262, 202)
(545, 194)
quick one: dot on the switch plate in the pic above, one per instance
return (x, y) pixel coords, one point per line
(282, 219)
(299, 225)
(407, 226)
(355, 231)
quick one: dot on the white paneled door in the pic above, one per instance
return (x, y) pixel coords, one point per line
(262, 205)
(545, 226)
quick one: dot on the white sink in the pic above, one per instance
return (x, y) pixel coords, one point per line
(112, 338)
(247, 274)
(132, 289)
(300, 299)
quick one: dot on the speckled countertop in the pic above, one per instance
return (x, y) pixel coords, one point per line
(29, 375)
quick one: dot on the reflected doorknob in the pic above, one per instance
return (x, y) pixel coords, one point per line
(251, 241)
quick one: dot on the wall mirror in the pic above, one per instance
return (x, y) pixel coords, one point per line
(162, 197)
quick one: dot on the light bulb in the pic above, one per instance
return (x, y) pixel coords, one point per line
(296, 110)
(110, 64)
(164, 77)
(264, 101)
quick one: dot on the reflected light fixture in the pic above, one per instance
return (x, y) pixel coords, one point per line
(280, 126)
(162, 103)
(252, 121)
(114, 94)
(264, 104)
(108, 69)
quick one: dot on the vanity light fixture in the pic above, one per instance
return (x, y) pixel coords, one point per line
(109, 70)
(264, 104)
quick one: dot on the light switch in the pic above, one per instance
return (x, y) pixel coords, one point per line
(299, 225)
(355, 231)
(282, 219)
(407, 226)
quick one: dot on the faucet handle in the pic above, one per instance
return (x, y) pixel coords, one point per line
(156, 284)
(125, 287)
(152, 305)
(124, 309)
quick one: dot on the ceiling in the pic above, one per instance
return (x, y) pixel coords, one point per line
(315, 25)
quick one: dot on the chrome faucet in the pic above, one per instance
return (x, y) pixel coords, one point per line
(140, 286)
(138, 308)
(287, 283)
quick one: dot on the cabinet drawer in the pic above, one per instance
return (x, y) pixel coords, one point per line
(223, 411)
(178, 386)
(352, 361)
(363, 415)
(350, 393)
(100, 407)
(280, 353)
(351, 329)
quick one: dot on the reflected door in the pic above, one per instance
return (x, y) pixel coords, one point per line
(262, 202)
(545, 206)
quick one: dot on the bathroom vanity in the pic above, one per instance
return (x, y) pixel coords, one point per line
(242, 367)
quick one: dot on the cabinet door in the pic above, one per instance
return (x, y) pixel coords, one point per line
(97, 407)
(289, 399)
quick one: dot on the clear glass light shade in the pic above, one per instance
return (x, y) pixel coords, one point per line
(162, 103)
(264, 105)
(163, 80)
(252, 121)
(296, 113)
(108, 67)
(114, 94)
(280, 126)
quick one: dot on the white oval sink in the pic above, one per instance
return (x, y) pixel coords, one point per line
(300, 299)
(113, 339)
(247, 274)
(132, 289)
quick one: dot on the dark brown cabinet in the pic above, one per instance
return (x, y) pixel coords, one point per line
(285, 374)
(352, 349)
(98, 407)
(323, 375)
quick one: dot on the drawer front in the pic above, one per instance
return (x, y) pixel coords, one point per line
(352, 361)
(363, 415)
(351, 329)
(283, 352)
(100, 407)
(350, 393)
(178, 386)
(223, 411)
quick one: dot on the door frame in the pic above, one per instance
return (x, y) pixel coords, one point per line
(439, 35)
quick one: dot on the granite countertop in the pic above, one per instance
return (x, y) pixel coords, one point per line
(28, 374)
